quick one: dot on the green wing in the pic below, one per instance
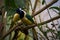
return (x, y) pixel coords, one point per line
(29, 17)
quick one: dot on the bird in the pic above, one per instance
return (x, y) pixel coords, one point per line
(24, 17)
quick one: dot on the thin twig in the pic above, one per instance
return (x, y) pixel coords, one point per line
(50, 17)
(33, 29)
(33, 10)
(41, 26)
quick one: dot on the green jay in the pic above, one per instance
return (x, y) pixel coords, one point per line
(21, 15)
(25, 18)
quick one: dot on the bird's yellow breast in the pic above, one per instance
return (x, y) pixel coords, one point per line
(16, 17)
(26, 21)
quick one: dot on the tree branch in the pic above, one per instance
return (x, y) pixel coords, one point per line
(34, 25)
(33, 10)
(48, 5)
(12, 29)
(31, 26)
(35, 37)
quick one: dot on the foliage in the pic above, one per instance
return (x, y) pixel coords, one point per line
(10, 4)
(58, 34)
(57, 8)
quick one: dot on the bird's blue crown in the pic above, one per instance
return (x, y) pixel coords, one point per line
(20, 12)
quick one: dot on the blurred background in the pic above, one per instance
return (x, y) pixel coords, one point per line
(49, 17)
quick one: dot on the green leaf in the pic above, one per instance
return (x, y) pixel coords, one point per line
(50, 30)
(58, 35)
(20, 3)
(57, 8)
(24, 4)
(44, 33)
(43, 1)
(10, 4)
